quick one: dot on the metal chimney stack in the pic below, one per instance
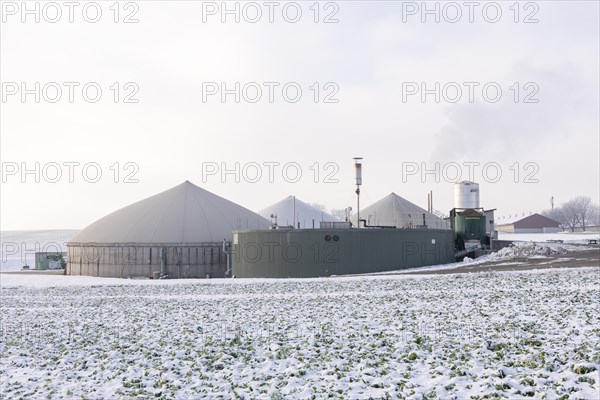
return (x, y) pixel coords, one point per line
(358, 170)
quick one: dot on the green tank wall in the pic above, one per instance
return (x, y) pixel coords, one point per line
(307, 253)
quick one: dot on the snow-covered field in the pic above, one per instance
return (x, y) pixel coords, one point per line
(509, 335)
(567, 237)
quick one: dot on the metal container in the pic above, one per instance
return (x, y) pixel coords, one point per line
(470, 226)
(334, 225)
(466, 195)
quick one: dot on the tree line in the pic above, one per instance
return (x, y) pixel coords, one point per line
(579, 212)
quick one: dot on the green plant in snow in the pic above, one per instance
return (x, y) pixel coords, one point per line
(582, 369)
(587, 379)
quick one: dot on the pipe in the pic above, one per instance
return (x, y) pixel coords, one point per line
(358, 171)
(227, 251)
(375, 226)
(163, 262)
(431, 201)
(358, 206)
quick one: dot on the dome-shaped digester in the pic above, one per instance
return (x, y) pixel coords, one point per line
(466, 195)
(395, 211)
(178, 232)
(306, 216)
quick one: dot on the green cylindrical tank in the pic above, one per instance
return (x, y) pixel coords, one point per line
(306, 253)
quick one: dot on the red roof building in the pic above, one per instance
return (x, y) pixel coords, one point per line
(534, 223)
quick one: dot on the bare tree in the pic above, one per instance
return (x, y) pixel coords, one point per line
(595, 215)
(341, 214)
(583, 206)
(571, 214)
(577, 212)
(557, 215)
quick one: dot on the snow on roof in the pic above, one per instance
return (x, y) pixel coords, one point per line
(183, 214)
(305, 213)
(514, 218)
(510, 219)
(394, 210)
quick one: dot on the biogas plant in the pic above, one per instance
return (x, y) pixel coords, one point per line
(188, 232)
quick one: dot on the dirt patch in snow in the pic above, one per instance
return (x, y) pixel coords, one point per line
(552, 259)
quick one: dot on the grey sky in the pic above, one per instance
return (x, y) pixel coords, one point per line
(370, 55)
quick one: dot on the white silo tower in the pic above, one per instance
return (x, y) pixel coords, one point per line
(466, 195)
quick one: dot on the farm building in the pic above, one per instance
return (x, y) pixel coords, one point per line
(533, 223)
(395, 211)
(295, 213)
(50, 260)
(178, 232)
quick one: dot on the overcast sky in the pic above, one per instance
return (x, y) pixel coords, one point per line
(541, 132)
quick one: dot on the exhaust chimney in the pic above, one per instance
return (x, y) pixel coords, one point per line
(358, 170)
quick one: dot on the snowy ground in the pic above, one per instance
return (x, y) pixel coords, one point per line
(567, 237)
(518, 254)
(509, 335)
